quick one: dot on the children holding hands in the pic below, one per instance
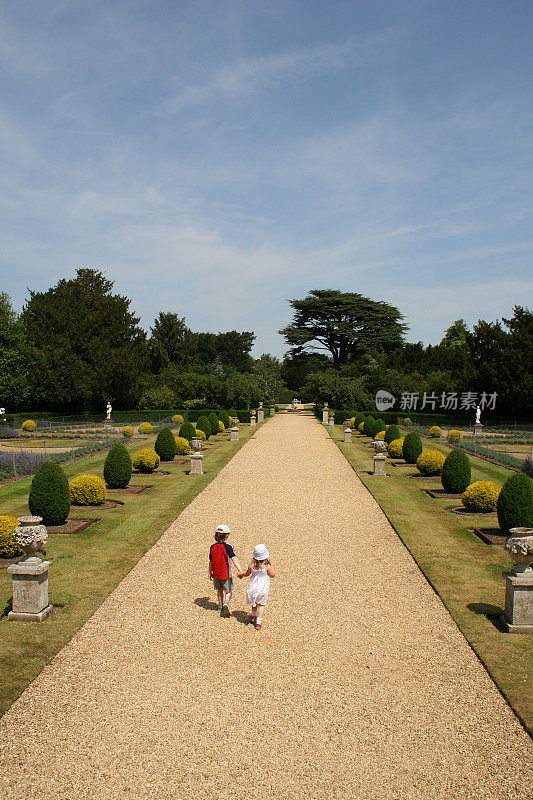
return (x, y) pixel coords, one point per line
(221, 558)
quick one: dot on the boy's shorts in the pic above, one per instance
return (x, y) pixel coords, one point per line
(227, 584)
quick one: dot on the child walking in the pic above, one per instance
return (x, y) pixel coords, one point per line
(261, 570)
(221, 557)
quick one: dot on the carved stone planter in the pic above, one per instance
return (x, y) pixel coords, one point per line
(196, 443)
(30, 574)
(518, 617)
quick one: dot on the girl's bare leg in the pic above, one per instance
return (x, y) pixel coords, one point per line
(260, 612)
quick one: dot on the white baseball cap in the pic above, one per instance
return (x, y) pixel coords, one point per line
(222, 529)
(260, 552)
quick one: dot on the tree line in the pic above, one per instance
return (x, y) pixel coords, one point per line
(78, 344)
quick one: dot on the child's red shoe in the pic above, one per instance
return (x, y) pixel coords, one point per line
(258, 624)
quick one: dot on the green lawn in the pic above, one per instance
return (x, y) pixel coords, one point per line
(465, 572)
(89, 565)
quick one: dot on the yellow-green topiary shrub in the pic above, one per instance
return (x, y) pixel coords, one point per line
(435, 432)
(183, 447)
(145, 460)
(352, 422)
(481, 496)
(145, 427)
(8, 546)
(407, 421)
(177, 419)
(361, 426)
(430, 462)
(454, 435)
(221, 426)
(127, 431)
(380, 437)
(200, 434)
(28, 425)
(395, 448)
(87, 490)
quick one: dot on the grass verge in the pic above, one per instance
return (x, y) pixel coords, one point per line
(465, 572)
(89, 565)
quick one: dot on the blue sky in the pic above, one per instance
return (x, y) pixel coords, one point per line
(218, 158)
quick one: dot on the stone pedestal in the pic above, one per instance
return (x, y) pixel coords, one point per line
(30, 591)
(331, 421)
(379, 464)
(196, 464)
(196, 443)
(347, 434)
(325, 416)
(234, 437)
(518, 617)
(272, 410)
(478, 427)
(253, 420)
(260, 415)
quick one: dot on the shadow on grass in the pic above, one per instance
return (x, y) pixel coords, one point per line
(492, 613)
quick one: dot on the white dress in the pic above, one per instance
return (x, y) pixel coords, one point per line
(258, 586)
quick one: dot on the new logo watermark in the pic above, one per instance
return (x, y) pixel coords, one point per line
(445, 401)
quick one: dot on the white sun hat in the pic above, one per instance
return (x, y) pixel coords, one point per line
(222, 529)
(260, 552)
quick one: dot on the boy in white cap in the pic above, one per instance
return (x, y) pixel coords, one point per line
(261, 571)
(221, 557)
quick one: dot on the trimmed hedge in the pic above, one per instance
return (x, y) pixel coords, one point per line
(395, 448)
(187, 431)
(515, 503)
(213, 422)
(49, 496)
(456, 472)
(204, 425)
(8, 546)
(430, 462)
(392, 432)
(87, 490)
(224, 418)
(165, 445)
(183, 447)
(117, 467)
(145, 460)
(480, 496)
(412, 447)
(368, 426)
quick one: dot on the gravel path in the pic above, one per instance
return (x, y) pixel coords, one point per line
(358, 686)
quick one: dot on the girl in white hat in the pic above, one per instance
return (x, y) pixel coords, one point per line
(261, 570)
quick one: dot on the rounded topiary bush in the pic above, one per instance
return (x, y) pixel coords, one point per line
(358, 419)
(213, 423)
(480, 496)
(393, 432)
(380, 437)
(28, 425)
(454, 435)
(145, 460)
(204, 425)
(87, 490)
(200, 434)
(165, 445)
(127, 431)
(412, 447)
(8, 546)
(456, 472)
(381, 425)
(515, 503)
(368, 426)
(187, 431)
(430, 462)
(406, 421)
(49, 494)
(221, 427)
(435, 432)
(146, 427)
(224, 418)
(177, 419)
(117, 467)
(395, 448)
(183, 447)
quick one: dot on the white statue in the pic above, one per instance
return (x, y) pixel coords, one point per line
(109, 409)
(478, 415)
(2, 415)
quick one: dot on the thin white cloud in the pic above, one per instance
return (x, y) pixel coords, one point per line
(238, 81)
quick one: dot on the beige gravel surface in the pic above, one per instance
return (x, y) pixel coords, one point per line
(359, 685)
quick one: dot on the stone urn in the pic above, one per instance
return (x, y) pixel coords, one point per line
(519, 545)
(30, 535)
(196, 443)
